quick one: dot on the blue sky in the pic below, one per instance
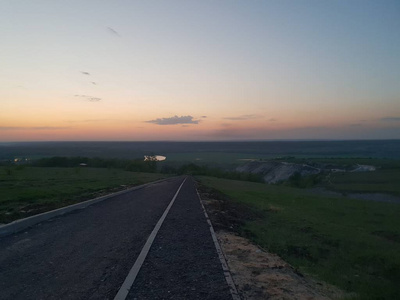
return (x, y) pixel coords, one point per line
(214, 70)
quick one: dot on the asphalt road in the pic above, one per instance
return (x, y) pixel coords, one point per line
(182, 262)
(87, 254)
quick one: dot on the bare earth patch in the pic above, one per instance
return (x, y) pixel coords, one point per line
(257, 273)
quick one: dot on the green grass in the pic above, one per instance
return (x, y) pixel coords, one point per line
(382, 163)
(30, 190)
(385, 179)
(212, 157)
(353, 244)
(379, 181)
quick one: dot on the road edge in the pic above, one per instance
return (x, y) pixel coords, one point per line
(221, 256)
(22, 224)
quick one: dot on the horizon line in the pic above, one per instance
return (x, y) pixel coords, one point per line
(200, 141)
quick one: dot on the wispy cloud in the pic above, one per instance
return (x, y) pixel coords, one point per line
(32, 128)
(114, 32)
(355, 125)
(174, 120)
(94, 83)
(94, 120)
(89, 98)
(243, 117)
(390, 119)
(85, 73)
(48, 127)
(272, 120)
(94, 99)
(86, 121)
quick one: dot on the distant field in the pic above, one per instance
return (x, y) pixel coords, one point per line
(385, 179)
(382, 163)
(221, 160)
(353, 244)
(256, 149)
(380, 181)
(30, 190)
(214, 157)
(241, 158)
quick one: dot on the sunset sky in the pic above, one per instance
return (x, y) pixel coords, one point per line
(199, 70)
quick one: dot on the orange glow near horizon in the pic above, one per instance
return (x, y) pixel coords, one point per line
(207, 129)
(84, 120)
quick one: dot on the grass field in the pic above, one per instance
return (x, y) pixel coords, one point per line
(30, 190)
(353, 244)
(379, 181)
(380, 163)
(213, 157)
(385, 179)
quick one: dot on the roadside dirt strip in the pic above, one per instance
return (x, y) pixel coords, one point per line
(88, 254)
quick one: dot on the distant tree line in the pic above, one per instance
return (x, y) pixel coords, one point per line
(204, 170)
(140, 165)
(134, 165)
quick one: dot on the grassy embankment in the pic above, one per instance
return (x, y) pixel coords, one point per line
(354, 244)
(27, 190)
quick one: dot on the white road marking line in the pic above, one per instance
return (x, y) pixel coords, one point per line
(225, 268)
(129, 280)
